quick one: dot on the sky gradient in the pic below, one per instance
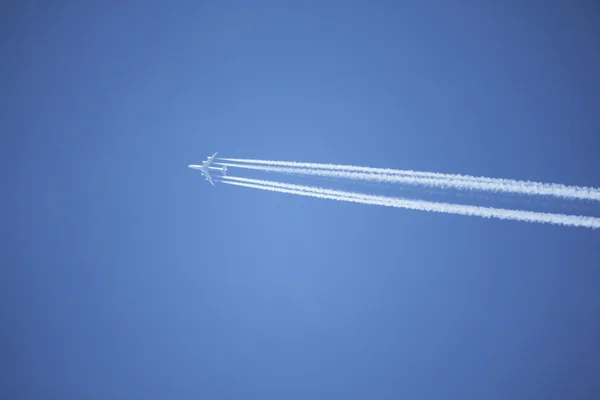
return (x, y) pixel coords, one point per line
(126, 275)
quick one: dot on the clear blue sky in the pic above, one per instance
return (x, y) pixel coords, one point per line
(125, 275)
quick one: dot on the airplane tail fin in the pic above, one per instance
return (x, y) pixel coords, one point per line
(224, 170)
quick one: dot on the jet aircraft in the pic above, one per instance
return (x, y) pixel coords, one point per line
(205, 168)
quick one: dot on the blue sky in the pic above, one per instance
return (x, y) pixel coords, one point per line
(125, 275)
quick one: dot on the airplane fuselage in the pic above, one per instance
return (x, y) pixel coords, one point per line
(205, 168)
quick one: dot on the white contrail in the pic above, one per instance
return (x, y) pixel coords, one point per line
(428, 181)
(444, 180)
(458, 209)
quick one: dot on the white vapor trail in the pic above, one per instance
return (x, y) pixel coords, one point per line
(463, 182)
(458, 209)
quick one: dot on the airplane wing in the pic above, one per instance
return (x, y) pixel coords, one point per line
(210, 159)
(208, 178)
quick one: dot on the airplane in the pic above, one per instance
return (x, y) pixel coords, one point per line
(205, 168)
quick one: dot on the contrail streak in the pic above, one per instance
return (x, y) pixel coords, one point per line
(464, 182)
(420, 205)
(426, 181)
